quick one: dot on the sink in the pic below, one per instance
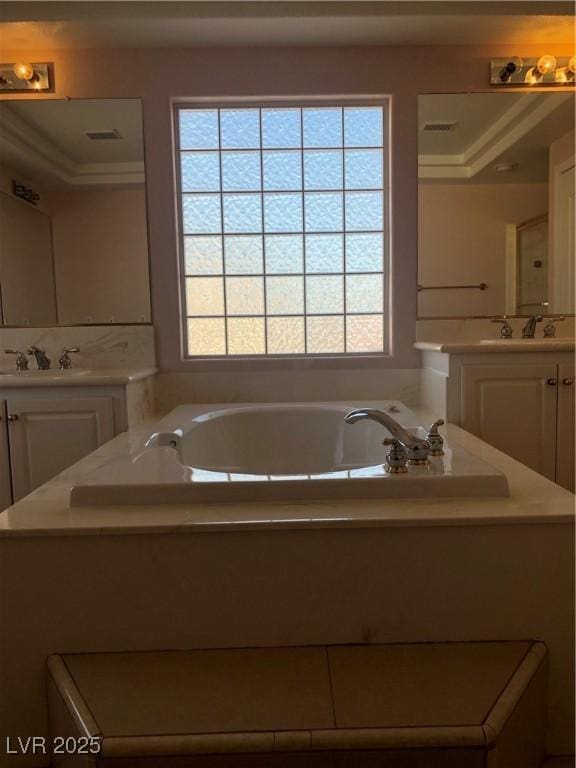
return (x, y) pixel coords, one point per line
(50, 372)
(531, 342)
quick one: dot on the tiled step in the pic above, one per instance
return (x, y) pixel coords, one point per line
(437, 705)
(559, 762)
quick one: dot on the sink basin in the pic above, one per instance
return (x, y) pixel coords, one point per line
(520, 340)
(50, 372)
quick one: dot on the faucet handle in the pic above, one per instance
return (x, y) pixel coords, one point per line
(435, 439)
(550, 328)
(21, 360)
(65, 362)
(397, 458)
(506, 330)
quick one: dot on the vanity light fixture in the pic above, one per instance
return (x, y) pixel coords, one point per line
(546, 70)
(25, 193)
(25, 76)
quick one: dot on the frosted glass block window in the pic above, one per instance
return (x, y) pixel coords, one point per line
(241, 171)
(283, 229)
(244, 254)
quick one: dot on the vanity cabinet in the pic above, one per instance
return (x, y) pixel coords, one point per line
(521, 402)
(566, 453)
(5, 481)
(50, 421)
(514, 408)
(46, 436)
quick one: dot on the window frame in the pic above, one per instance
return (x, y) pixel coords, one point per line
(284, 360)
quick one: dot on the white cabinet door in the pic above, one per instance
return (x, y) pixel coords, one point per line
(47, 436)
(565, 457)
(513, 407)
(5, 484)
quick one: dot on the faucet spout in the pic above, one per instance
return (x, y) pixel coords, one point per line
(530, 328)
(42, 361)
(417, 449)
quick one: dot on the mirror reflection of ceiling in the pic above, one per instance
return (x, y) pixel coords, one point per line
(462, 137)
(47, 140)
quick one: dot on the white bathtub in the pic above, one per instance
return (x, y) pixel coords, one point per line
(278, 452)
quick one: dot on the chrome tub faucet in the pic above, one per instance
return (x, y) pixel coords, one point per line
(415, 449)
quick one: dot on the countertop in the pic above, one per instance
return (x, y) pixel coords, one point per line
(73, 377)
(498, 345)
(45, 512)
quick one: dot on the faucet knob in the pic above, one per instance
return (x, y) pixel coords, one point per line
(397, 458)
(550, 328)
(65, 362)
(506, 330)
(435, 439)
(21, 360)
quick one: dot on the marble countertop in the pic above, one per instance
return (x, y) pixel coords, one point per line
(46, 511)
(73, 377)
(498, 345)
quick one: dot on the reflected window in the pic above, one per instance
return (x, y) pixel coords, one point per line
(283, 233)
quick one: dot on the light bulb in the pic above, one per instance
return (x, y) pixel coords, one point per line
(24, 71)
(572, 65)
(532, 77)
(546, 64)
(515, 64)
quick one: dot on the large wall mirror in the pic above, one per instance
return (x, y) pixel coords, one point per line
(496, 204)
(73, 234)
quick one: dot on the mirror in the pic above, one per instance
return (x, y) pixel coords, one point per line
(73, 230)
(495, 204)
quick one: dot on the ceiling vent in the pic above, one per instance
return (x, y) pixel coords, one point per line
(440, 126)
(104, 134)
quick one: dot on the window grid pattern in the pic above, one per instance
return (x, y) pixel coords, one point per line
(283, 229)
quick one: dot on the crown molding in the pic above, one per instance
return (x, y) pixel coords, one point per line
(522, 116)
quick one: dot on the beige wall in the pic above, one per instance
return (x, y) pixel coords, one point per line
(159, 75)
(100, 255)
(462, 240)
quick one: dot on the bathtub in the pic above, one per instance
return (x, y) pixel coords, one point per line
(278, 452)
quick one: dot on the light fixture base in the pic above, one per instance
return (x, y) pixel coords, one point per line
(41, 81)
(514, 71)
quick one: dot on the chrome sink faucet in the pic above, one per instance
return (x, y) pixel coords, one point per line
(530, 328)
(21, 359)
(42, 361)
(417, 450)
